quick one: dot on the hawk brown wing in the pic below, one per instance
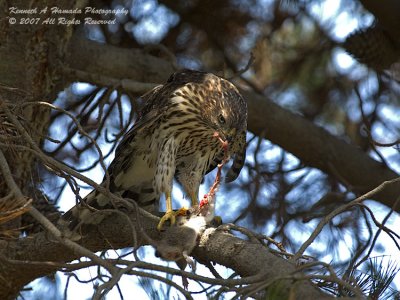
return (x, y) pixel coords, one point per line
(174, 138)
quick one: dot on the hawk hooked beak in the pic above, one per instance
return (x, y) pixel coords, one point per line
(230, 135)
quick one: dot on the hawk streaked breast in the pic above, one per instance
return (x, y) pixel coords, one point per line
(174, 138)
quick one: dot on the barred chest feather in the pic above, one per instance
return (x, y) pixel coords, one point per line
(174, 138)
(196, 148)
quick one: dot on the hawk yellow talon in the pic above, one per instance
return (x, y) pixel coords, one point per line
(169, 215)
(183, 211)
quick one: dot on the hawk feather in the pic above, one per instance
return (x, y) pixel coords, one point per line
(173, 138)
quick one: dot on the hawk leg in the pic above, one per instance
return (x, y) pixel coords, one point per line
(183, 211)
(169, 214)
(194, 200)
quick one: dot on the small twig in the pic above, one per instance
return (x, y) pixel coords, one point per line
(332, 277)
(396, 142)
(56, 165)
(215, 281)
(252, 237)
(212, 270)
(14, 89)
(368, 130)
(51, 264)
(245, 69)
(339, 210)
(279, 245)
(367, 127)
(11, 214)
(81, 130)
(45, 222)
(107, 286)
(381, 227)
(162, 279)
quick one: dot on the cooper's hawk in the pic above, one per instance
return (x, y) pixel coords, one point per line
(174, 138)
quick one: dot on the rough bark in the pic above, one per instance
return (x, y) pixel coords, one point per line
(20, 260)
(114, 62)
(31, 57)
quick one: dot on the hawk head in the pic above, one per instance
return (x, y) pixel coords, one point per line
(221, 108)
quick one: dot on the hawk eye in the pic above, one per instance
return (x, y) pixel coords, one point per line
(221, 119)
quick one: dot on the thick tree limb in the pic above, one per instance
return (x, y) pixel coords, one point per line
(310, 143)
(319, 149)
(246, 258)
(115, 62)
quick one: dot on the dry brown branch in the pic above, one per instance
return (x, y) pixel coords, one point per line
(114, 232)
(314, 146)
(381, 227)
(81, 131)
(339, 210)
(83, 251)
(44, 221)
(11, 208)
(60, 167)
(79, 250)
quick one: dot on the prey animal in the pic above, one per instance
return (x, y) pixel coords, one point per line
(179, 240)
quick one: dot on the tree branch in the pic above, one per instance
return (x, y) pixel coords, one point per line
(311, 144)
(319, 149)
(115, 62)
(249, 259)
